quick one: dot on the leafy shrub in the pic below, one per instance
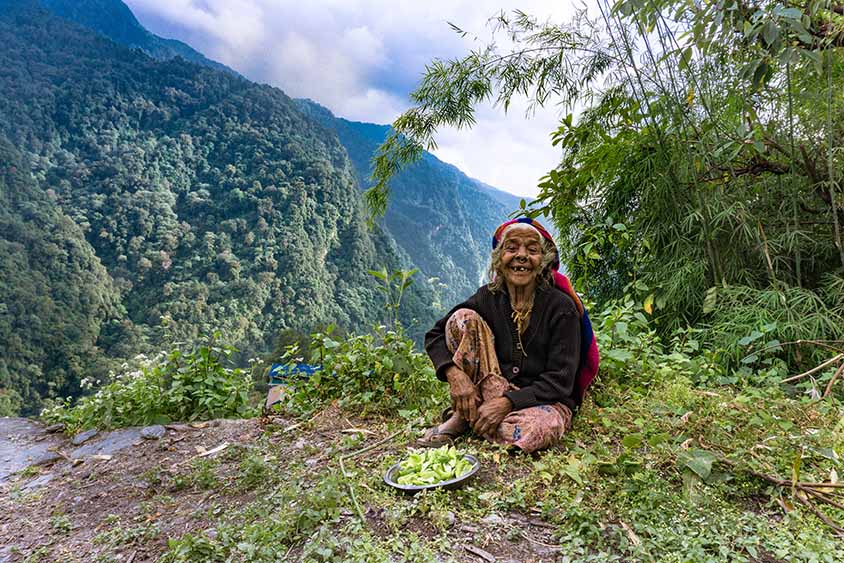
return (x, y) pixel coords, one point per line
(633, 352)
(379, 372)
(181, 385)
(751, 324)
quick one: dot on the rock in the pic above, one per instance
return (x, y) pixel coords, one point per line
(53, 428)
(299, 444)
(492, 519)
(109, 444)
(46, 458)
(83, 437)
(155, 432)
(38, 482)
(450, 519)
(545, 551)
(23, 442)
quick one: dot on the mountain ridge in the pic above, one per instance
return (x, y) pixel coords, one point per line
(212, 202)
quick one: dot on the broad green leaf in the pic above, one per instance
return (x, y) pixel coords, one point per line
(620, 355)
(698, 461)
(632, 441)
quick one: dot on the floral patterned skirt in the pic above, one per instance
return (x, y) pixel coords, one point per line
(471, 341)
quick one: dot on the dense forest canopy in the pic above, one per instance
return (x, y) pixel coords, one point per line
(205, 202)
(199, 202)
(703, 176)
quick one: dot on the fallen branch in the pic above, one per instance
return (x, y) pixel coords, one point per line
(819, 513)
(371, 446)
(805, 492)
(831, 381)
(813, 370)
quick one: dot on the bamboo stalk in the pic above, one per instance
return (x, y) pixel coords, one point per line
(768, 261)
(833, 195)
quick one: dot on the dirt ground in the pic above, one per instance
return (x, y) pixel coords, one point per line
(116, 507)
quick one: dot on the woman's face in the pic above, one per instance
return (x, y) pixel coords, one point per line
(521, 256)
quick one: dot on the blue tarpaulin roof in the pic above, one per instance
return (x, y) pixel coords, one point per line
(279, 372)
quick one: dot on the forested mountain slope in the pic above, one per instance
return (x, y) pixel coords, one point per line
(212, 202)
(116, 21)
(440, 217)
(54, 296)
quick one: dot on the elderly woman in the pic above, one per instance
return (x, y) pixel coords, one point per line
(512, 352)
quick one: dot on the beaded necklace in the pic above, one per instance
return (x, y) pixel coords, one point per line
(521, 318)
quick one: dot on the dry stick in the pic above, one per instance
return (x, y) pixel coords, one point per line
(372, 446)
(826, 499)
(532, 540)
(808, 488)
(833, 485)
(823, 517)
(813, 370)
(831, 381)
(352, 492)
(346, 475)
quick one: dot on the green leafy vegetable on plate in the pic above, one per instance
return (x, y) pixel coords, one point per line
(429, 467)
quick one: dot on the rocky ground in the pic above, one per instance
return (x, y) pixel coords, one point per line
(122, 495)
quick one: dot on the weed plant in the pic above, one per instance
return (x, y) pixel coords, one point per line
(184, 385)
(380, 372)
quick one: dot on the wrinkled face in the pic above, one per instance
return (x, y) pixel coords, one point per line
(521, 256)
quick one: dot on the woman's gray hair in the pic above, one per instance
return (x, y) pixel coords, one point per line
(545, 277)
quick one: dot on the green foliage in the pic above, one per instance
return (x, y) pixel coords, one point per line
(149, 201)
(707, 155)
(393, 286)
(186, 384)
(268, 536)
(55, 295)
(378, 372)
(751, 325)
(439, 217)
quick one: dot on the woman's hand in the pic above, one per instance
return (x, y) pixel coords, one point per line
(464, 396)
(490, 415)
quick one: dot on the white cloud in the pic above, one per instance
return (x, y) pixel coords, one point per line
(362, 58)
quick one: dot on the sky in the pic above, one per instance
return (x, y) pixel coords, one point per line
(361, 59)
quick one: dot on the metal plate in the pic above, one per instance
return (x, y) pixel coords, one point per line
(389, 478)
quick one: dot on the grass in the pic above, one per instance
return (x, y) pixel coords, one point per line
(662, 474)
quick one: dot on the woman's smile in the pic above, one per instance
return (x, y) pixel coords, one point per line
(521, 257)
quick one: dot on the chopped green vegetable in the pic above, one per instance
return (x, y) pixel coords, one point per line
(428, 467)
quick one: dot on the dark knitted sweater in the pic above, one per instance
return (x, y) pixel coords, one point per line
(546, 370)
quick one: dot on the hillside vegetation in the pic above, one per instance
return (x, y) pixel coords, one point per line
(209, 202)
